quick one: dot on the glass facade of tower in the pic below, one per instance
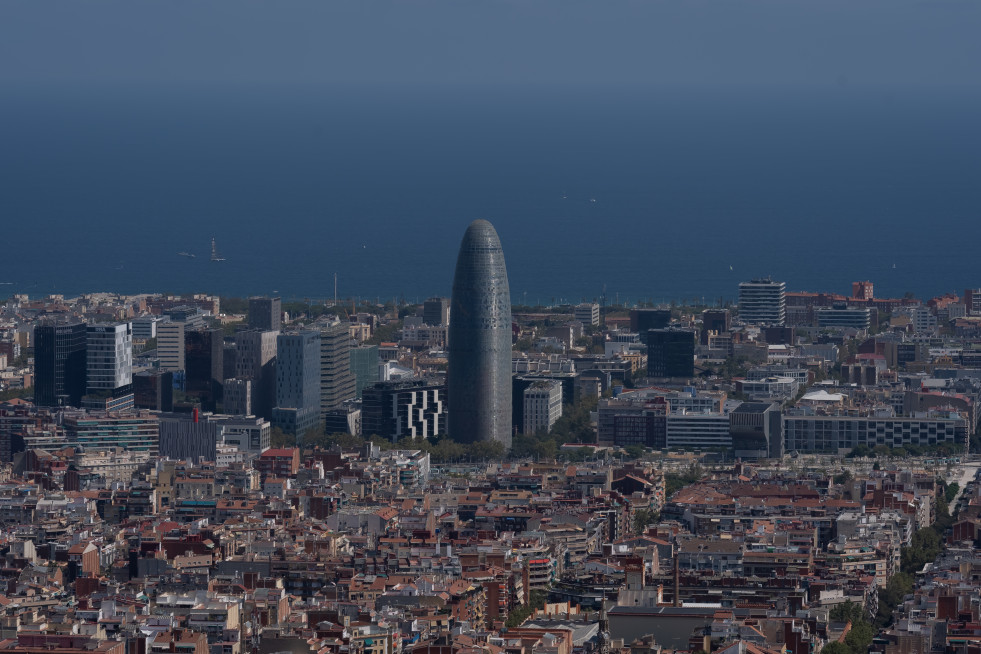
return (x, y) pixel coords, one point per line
(479, 373)
(59, 364)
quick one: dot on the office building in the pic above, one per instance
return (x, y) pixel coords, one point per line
(844, 316)
(249, 435)
(192, 317)
(297, 407)
(364, 367)
(255, 360)
(337, 382)
(587, 313)
(625, 422)
(762, 302)
(436, 311)
(403, 409)
(542, 406)
(145, 327)
(59, 364)
(109, 358)
(834, 434)
(185, 436)
(670, 353)
(170, 345)
(479, 348)
(154, 390)
(756, 429)
(714, 322)
(265, 314)
(134, 431)
(344, 420)
(698, 431)
(237, 396)
(644, 320)
(204, 360)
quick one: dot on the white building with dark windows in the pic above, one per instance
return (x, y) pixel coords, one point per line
(170, 345)
(109, 357)
(588, 313)
(762, 302)
(542, 405)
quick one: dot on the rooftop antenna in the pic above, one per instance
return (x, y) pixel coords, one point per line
(335, 289)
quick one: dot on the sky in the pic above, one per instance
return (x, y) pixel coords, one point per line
(900, 43)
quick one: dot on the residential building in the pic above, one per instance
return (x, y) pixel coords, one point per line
(762, 302)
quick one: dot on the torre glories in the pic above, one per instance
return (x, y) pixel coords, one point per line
(479, 348)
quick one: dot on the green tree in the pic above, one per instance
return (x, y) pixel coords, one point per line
(643, 518)
(536, 600)
(278, 439)
(836, 648)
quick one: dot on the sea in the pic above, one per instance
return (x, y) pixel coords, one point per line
(636, 194)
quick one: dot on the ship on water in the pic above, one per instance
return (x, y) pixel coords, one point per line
(189, 255)
(214, 251)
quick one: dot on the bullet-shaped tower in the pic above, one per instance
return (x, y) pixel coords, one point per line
(479, 375)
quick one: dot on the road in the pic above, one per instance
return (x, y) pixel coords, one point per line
(963, 474)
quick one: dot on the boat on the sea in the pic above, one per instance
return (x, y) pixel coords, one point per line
(189, 255)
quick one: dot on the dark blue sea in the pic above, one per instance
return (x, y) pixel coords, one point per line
(651, 193)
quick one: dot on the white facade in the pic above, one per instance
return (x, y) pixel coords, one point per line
(588, 314)
(542, 405)
(762, 302)
(170, 345)
(109, 357)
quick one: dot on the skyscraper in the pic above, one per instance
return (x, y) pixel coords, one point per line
(336, 379)
(109, 358)
(265, 314)
(59, 364)
(297, 382)
(479, 373)
(256, 361)
(204, 363)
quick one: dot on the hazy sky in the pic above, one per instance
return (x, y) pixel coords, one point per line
(382, 42)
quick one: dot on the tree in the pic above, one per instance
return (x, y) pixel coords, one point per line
(536, 600)
(836, 648)
(846, 612)
(279, 439)
(642, 518)
(635, 451)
